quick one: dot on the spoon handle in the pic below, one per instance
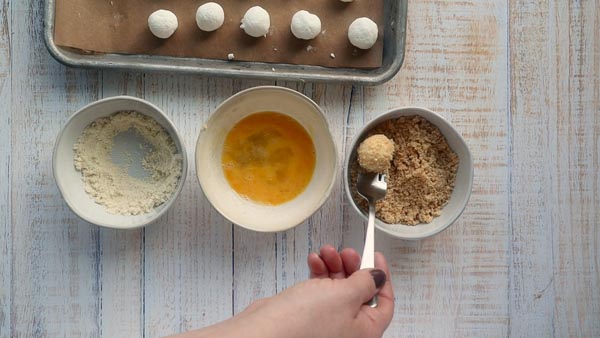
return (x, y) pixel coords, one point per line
(368, 256)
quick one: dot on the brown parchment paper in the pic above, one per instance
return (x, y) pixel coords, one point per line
(121, 26)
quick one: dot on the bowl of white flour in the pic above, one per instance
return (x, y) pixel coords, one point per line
(119, 162)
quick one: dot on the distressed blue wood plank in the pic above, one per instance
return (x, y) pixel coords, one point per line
(5, 186)
(188, 252)
(121, 252)
(555, 181)
(327, 225)
(456, 283)
(55, 261)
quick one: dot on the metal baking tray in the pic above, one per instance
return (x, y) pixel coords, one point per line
(393, 56)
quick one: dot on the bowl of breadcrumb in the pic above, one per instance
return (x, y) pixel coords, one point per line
(428, 168)
(119, 162)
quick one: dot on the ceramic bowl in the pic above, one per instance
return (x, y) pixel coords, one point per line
(462, 188)
(240, 210)
(69, 180)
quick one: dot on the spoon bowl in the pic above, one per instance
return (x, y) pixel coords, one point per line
(371, 186)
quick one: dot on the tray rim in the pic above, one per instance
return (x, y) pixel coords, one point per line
(221, 68)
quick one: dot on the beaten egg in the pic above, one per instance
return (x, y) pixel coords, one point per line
(269, 158)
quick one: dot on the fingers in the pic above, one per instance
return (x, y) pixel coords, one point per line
(331, 264)
(386, 294)
(362, 284)
(333, 261)
(350, 260)
(317, 267)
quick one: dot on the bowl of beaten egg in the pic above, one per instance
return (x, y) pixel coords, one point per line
(265, 159)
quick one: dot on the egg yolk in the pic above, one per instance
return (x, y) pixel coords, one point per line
(269, 158)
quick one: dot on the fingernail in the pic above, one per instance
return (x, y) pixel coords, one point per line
(378, 277)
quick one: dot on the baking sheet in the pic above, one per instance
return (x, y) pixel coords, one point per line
(394, 43)
(114, 26)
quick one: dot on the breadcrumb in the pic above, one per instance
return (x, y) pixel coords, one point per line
(422, 174)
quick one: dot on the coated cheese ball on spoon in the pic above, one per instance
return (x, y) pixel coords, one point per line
(375, 153)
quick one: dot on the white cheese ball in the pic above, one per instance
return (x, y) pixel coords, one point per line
(162, 23)
(305, 25)
(210, 16)
(362, 33)
(256, 22)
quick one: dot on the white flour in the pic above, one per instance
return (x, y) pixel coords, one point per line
(111, 185)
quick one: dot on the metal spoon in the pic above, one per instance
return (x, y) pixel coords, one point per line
(373, 188)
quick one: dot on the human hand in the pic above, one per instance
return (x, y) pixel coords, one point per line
(332, 303)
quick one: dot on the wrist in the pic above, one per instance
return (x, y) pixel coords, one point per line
(267, 318)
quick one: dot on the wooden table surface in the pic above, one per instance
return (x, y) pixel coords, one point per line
(520, 79)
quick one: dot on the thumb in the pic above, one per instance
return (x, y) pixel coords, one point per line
(365, 283)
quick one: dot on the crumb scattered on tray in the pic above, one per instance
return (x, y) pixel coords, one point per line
(422, 175)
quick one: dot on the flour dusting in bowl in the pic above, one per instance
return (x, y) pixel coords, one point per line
(113, 184)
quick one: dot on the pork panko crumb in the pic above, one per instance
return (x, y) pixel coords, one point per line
(422, 175)
(375, 153)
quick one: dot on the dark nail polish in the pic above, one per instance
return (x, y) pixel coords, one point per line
(378, 277)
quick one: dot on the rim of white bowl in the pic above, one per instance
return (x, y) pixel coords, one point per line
(178, 141)
(323, 198)
(430, 116)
